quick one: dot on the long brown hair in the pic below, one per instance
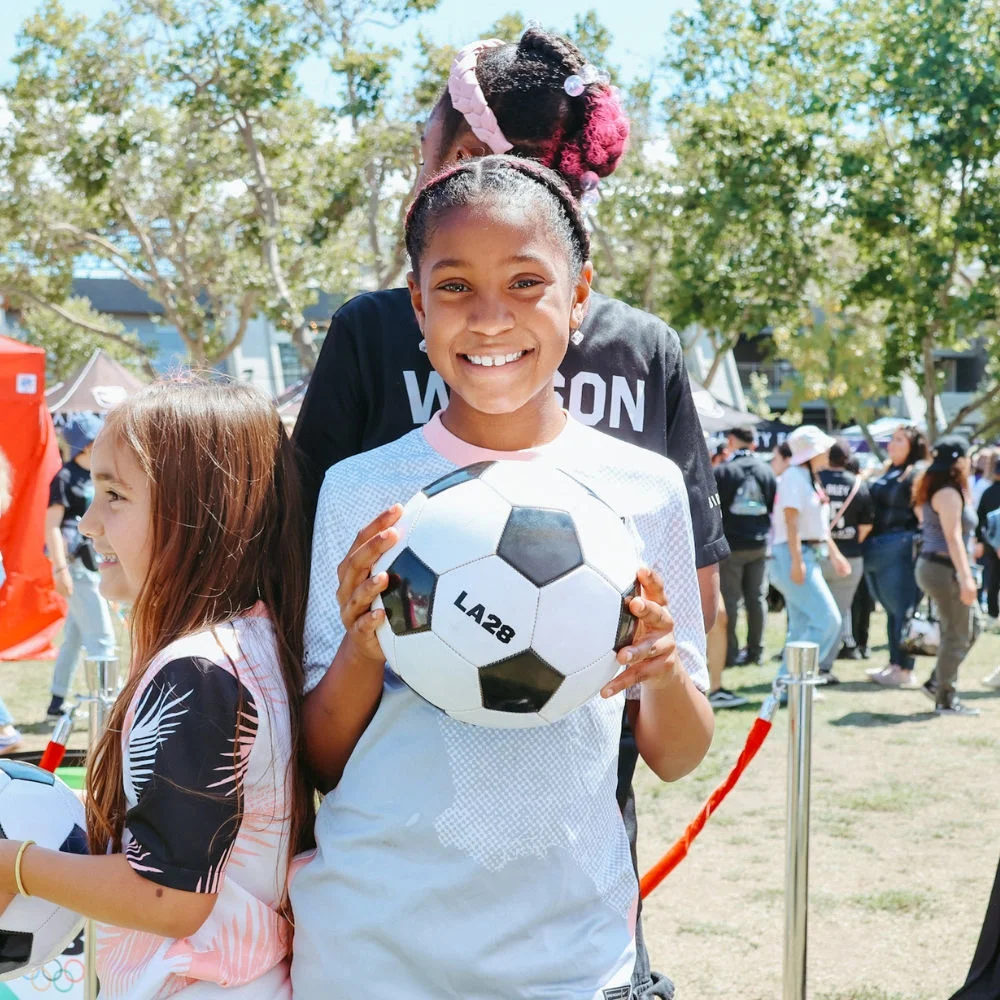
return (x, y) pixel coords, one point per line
(227, 531)
(930, 482)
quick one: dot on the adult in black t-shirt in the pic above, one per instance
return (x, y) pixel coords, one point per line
(624, 373)
(851, 517)
(746, 497)
(888, 550)
(988, 502)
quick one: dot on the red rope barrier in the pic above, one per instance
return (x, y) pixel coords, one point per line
(758, 732)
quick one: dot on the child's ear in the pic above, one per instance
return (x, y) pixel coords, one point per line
(416, 298)
(581, 295)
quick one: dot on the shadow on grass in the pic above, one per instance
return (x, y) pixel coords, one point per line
(36, 728)
(870, 720)
(867, 687)
(978, 695)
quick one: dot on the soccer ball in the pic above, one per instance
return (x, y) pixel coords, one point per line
(508, 594)
(36, 805)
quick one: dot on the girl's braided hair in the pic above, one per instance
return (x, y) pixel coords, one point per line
(504, 180)
(523, 85)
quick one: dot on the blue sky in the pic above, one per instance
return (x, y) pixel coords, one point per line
(639, 26)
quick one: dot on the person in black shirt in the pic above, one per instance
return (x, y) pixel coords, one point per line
(989, 501)
(624, 373)
(851, 518)
(74, 567)
(746, 496)
(888, 551)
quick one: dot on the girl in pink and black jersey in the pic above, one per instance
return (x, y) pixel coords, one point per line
(195, 801)
(454, 860)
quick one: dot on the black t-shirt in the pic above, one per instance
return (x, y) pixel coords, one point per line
(891, 500)
(627, 376)
(745, 531)
(989, 501)
(73, 490)
(838, 484)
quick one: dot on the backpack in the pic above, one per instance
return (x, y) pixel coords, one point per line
(749, 500)
(991, 533)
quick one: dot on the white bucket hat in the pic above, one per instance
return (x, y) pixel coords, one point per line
(807, 442)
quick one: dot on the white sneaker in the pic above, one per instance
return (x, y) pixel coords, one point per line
(895, 676)
(993, 680)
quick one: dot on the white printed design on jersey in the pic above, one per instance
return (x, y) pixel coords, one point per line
(590, 400)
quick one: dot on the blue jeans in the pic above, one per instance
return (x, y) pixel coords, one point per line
(812, 612)
(892, 582)
(6, 719)
(88, 625)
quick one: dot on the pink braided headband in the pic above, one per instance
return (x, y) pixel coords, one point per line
(468, 98)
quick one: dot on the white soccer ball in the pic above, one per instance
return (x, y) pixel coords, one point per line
(36, 805)
(508, 594)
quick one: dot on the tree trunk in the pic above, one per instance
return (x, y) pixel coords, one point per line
(720, 353)
(270, 209)
(930, 386)
(872, 443)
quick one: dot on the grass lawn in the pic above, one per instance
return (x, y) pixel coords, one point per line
(905, 837)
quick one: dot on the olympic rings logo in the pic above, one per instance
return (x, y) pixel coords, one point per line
(57, 975)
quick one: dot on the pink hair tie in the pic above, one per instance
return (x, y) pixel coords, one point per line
(468, 98)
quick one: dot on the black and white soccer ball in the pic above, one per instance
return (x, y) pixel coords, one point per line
(508, 594)
(36, 805)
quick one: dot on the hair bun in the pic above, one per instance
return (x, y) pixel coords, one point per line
(605, 132)
(600, 144)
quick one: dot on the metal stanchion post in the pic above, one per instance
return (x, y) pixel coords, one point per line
(102, 688)
(803, 661)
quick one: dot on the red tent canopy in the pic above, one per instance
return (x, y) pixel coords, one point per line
(31, 612)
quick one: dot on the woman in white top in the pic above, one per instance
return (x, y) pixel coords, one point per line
(801, 523)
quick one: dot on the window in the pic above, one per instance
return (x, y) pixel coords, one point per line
(292, 369)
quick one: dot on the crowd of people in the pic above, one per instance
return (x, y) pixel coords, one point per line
(834, 542)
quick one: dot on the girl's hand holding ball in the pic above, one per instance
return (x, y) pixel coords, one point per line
(358, 588)
(652, 657)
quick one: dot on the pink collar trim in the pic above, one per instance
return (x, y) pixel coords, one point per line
(462, 453)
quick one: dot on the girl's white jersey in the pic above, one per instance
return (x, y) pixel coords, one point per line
(459, 861)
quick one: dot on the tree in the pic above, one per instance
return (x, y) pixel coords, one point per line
(103, 165)
(715, 211)
(65, 331)
(918, 111)
(172, 142)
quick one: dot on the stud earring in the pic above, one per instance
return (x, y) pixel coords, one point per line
(422, 346)
(576, 338)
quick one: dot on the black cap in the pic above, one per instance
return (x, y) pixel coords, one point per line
(947, 451)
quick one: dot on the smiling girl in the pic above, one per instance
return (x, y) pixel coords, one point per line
(194, 803)
(453, 860)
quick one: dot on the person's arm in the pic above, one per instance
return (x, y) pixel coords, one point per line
(672, 719)
(57, 550)
(673, 722)
(837, 559)
(344, 662)
(708, 590)
(948, 504)
(864, 530)
(188, 809)
(104, 888)
(791, 515)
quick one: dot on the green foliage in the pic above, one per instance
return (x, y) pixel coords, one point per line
(67, 342)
